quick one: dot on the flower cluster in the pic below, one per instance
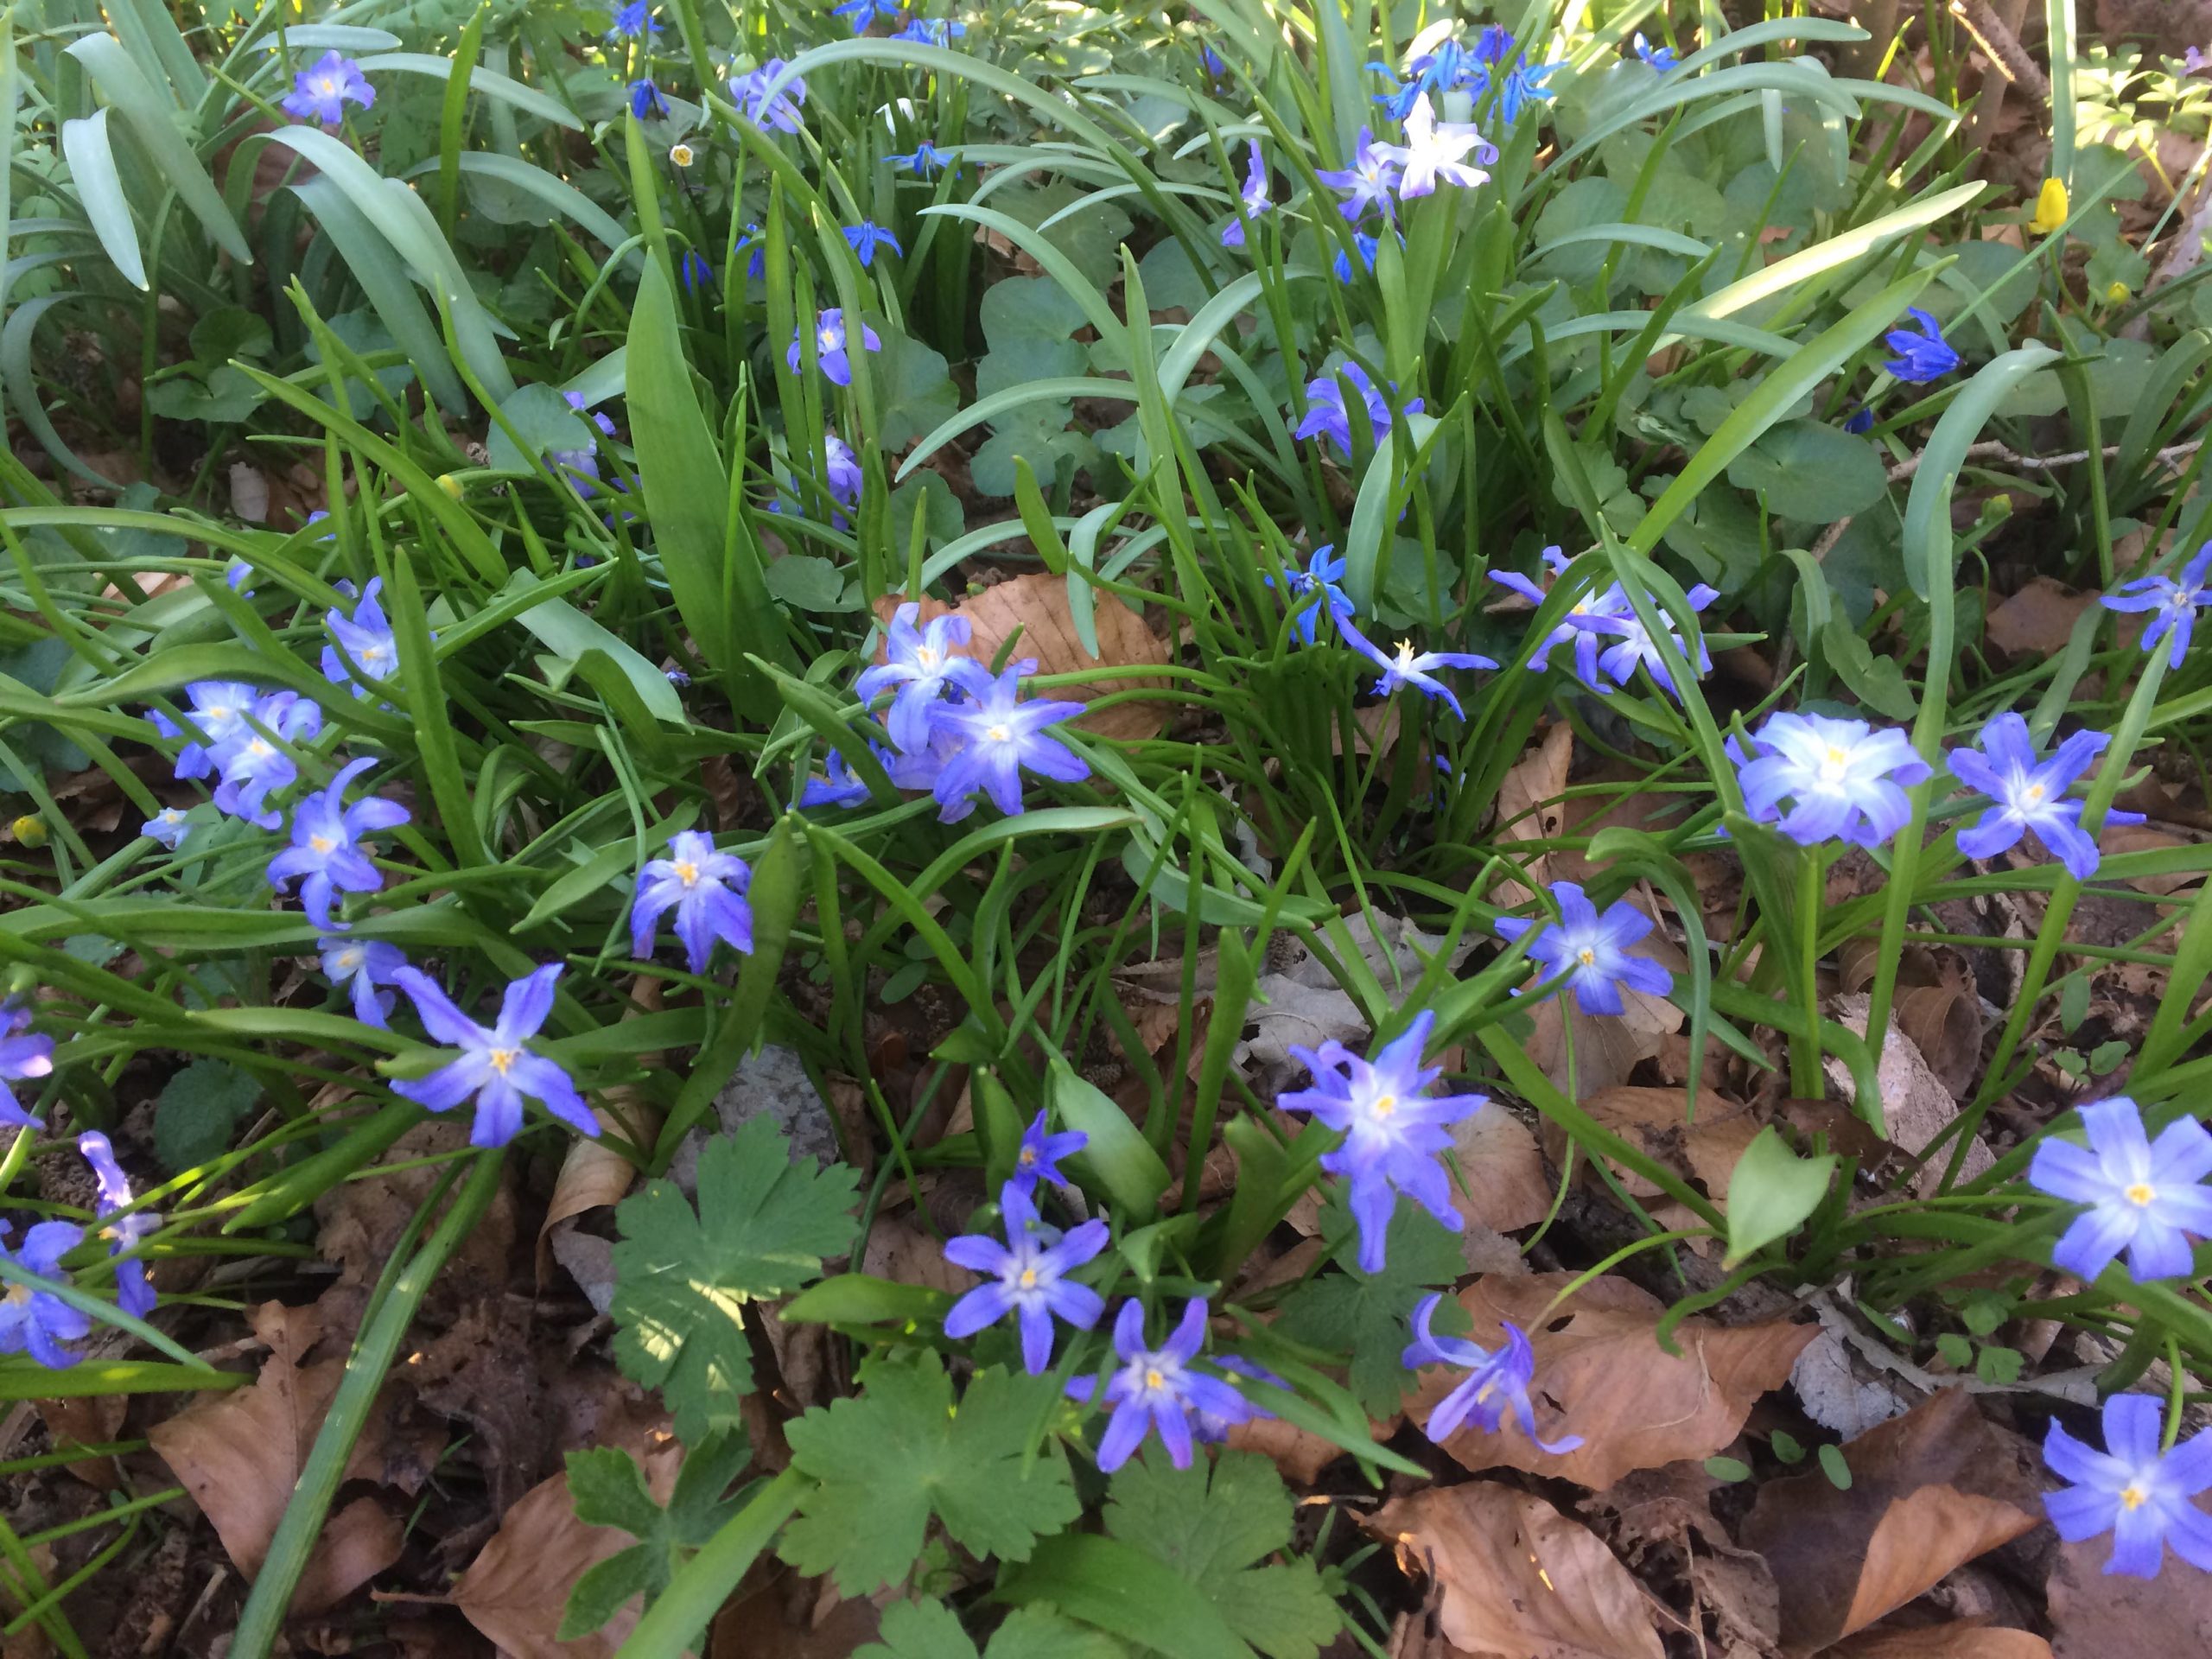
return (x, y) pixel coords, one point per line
(955, 729)
(1494, 64)
(33, 1319)
(1393, 1129)
(240, 734)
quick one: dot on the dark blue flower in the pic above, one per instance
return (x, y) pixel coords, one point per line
(864, 237)
(705, 888)
(1407, 666)
(918, 662)
(1860, 422)
(1156, 1388)
(1319, 577)
(932, 31)
(1371, 180)
(134, 1292)
(633, 21)
(646, 101)
(2176, 603)
(1030, 1274)
(837, 787)
(2144, 1196)
(1000, 735)
(1922, 357)
(325, 855)
(1328, 415)
(927, 160)
(1211, 62)
(754, 246)
(1661, 58)
(321, 92)
(860, 13)
(1368, 246)
(2139, 1494)
(696, 271)
(1495, 1381)
(1523, 85)
(25, 1057)
(1038, 1158)
(1844, 780)
(1591, 949)
(2027, 795)
(38, 1321)
(359, 967)
(493, 1066)
(1393, 1129)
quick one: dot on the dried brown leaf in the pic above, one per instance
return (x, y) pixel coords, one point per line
(1517, 1580)
(1528, 806)
(1601, 1374)
(1961, 1638)
(358, 1542)
(1037, 606)
(1916, 1107)
(1503, 1169)
(2099, 1615)
(592, 1175)
(2037, 619)
(1656, 1120)
(1929, 1490)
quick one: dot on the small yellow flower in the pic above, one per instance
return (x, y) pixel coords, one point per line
(451, 484)
(2051, 206)
(681, 154)
(2116, 294)
(29, 829)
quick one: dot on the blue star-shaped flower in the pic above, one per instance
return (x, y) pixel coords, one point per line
(1611, 614)
(1319, 577)
(1328, 415)
(864, 237)
(26, 1056)
(1495, 1381)
(1039, 1157)
(366, 638)
(2132, 1489)
(830, 349)
(1371, 180)
(918, 662)
(493, 1066)
(1593, 949)
(1028, 1276)
(321, 92)
(2028, 795)
(1407, 666)
(705, 888)
(1253, 196)
(134, 1292)
(777, 111)
(359, 967)
(633, 21)
(1922, 357)
(2144, 1196)
(1393, 1129)
(1000, 736)
(1662, 58)
(1844, 780)
(37, 1321)
(2175, 601)
(1158, 1389)
(926, 160)
(325, 855)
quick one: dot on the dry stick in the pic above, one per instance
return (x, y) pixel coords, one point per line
(1880, 19)
(2001, 45)
(1990, 449)
(2006, 18)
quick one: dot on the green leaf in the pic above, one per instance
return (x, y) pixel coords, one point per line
(898, 1453)
(1118, 1159)
(609, 1490)
(1811, 470)
(914, 393)
(1771, 1192)
(568, 634)
(929, 1629)
(1727, 1469)
(1214, 1526)
(99, 189)
(197, 1111)
(1124, 1590)
(1834, 1466)
(681, 1279)
(1366, 1315)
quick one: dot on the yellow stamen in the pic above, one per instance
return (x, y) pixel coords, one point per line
(503, 1059)
(1152, 1379)
(322, 844)
(2132, 1498)
(999, 735)
(1385, 1106)
(1029, 1278)
(2141, 1195)
(686, 872)
(1588, 958)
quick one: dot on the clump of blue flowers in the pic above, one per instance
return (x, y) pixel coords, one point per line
(1393, 1129)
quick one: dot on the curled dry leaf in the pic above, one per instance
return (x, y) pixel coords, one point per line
(1915, 1105)
(1656, 1121)
(1929, 1490)
(1504, 1185)
(1516, 1578)
(516, 1589)
(1961, 1638)
(592, 1175)
(1037, 606)
(239, 1455)
(1601, 1374)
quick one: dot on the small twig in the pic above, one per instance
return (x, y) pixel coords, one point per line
(2001, 46)
(1990, 100)
(1990, 449)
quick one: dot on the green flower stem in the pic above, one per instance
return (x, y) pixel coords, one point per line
(1805, 1044)
(333, 1445)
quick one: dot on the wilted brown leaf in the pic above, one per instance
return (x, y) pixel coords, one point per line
(1528, 807)
(1503, 1169)
(89, 1421)
(1037, 606)
(1960, 1639)
(2037, 619)
(516, 1589)
(358, 1542)
(1916, 1107)
(1299, 1454)
(1655, 1120)
(592, 1175)
(1517, 1580)
(1929, 1490)
(239, 1455)
(1601, 1374)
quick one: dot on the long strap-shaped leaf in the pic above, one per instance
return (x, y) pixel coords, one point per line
(152, 118)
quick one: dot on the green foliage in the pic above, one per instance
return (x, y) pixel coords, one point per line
(899, 1454)
(684, 1278)
(199, 1109)
(1366, 1315)
(609, 1490)
(929, 1629)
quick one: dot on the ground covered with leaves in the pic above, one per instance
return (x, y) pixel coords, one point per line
(1050, 832)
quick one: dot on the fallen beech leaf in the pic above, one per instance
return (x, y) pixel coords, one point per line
(593, 1175)
(516, 1589)
(1529, 808)
(1929, 1490)
(1503, 1172)
(1300, 1455)
(1601, 1374)
(93, 1421)
(358, 1542)
(1916, 1106)
(2099, 1615)
(1518, 1579)
(239, 1454)
(1655, 1120)
(2037, 619)
(1038, 605)
(1961, 1638)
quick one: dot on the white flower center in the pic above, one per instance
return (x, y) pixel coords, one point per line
(1154, 1377)
(999, 734)
(924, 657)
(322, 844)
(2033, 794)
(829, 339)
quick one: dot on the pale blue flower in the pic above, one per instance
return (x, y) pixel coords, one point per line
(1407, 666)
(919, 662)
(830, 347)
(1393, 1129)
(134, 1291)
(1157, 1389)
(1028, 1278)
(778, 111)
(325, 855)
(1495, 1381)
(2144, 1196)
(838, 787)
(37, 1321)
(1592, 950)
(367, 636)
(167, 827)
(1610, 602)
(1328, 415)
(1253, 196)
(217, 714)
(1612, 614)
(25, 1057)
(253, 763)
(1000, 736)
(321, 92)
(705, 888)
(359, 967)
(2138, 1493)
(1371, 180)
(2027, 795)
(1844, 780)
(2176, 603)
(493, 1066)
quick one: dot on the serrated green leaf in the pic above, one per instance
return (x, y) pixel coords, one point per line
(682, 1278)
(609, 1490)
(1366, 1315)
(929, 1629)
(198, 1110)
(898, 1453)
(601, 1593)
(1216, 1527)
